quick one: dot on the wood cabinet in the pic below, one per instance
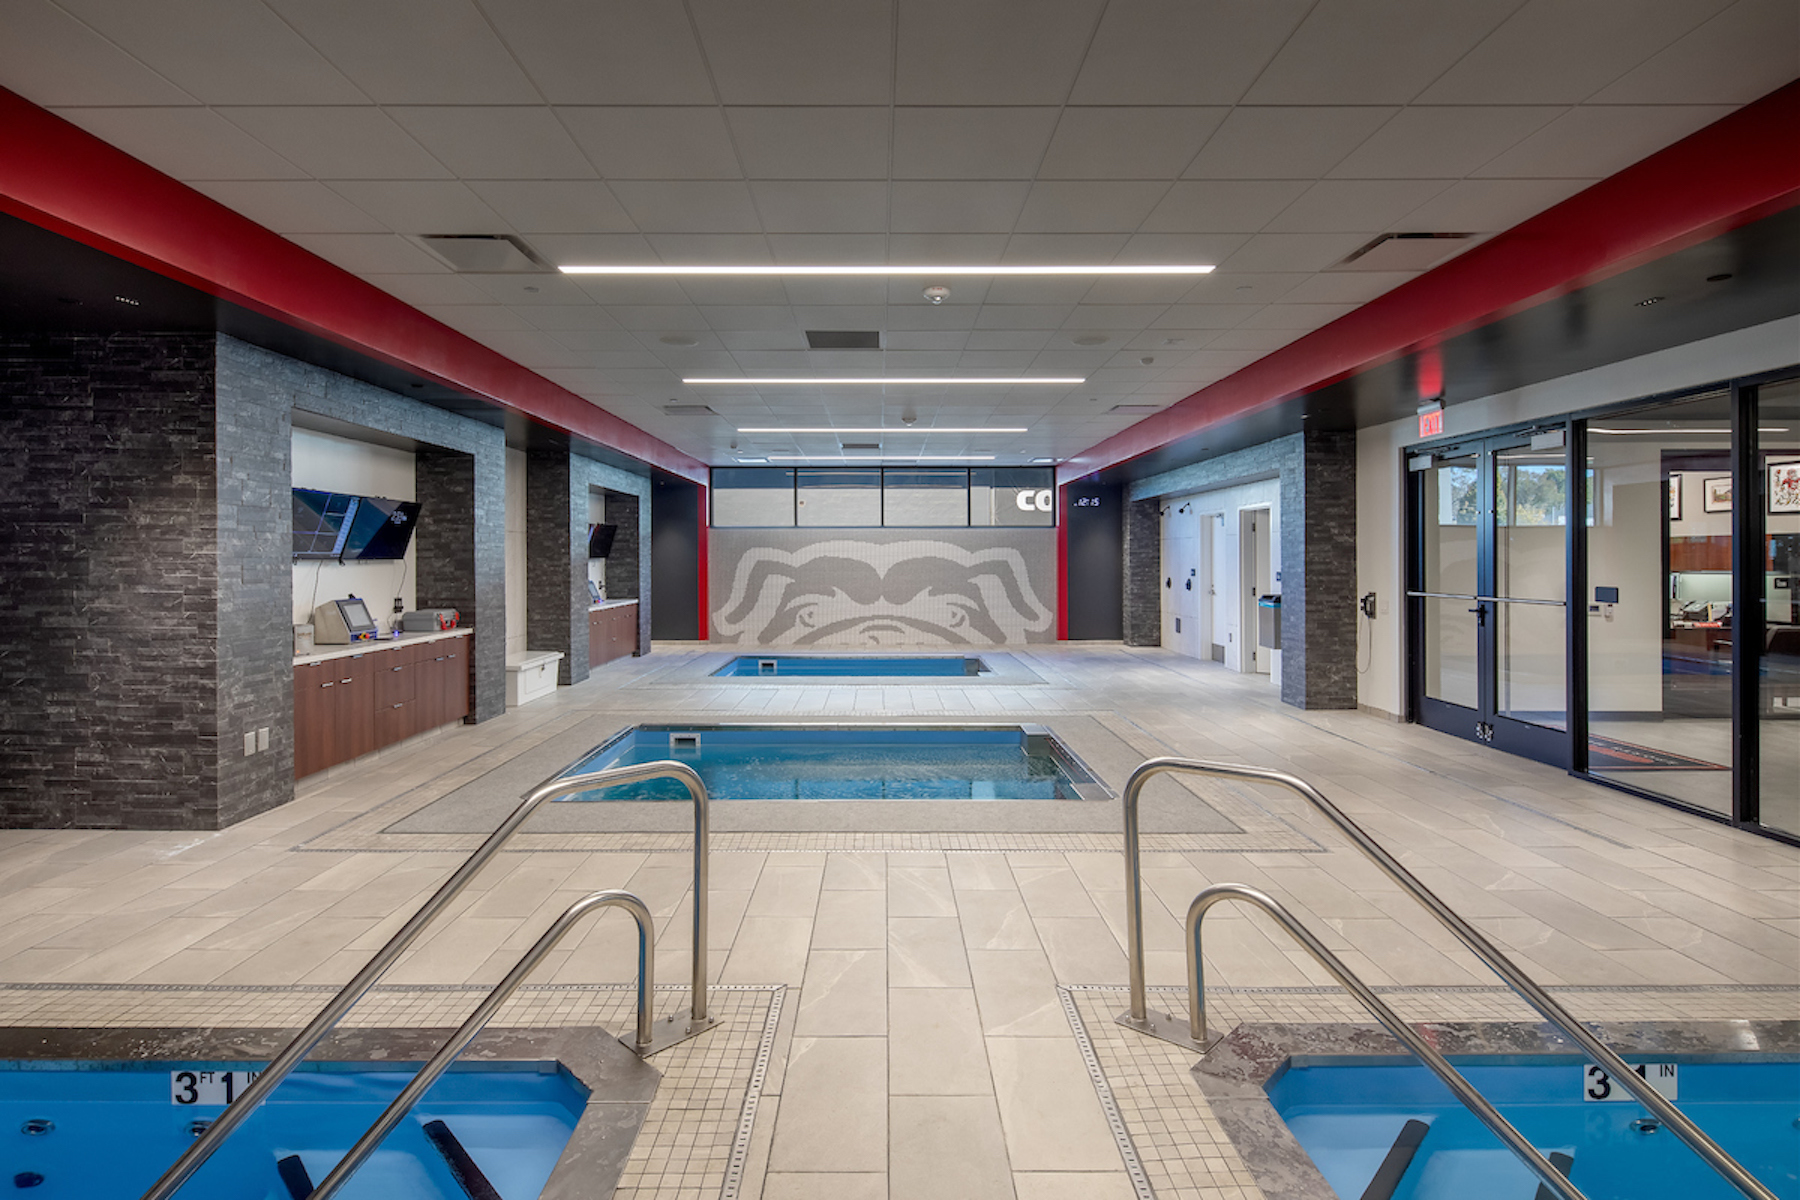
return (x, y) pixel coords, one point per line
(612, 633)
(347, 707)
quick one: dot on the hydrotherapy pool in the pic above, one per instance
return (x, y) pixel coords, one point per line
(837, 666)
(97, 1130)
(1348, 1117)
(847, 762)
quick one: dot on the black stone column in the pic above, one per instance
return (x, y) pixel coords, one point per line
(1143, 573)
(1318, 562)
(626, 576)
(556, 600)
(461, 557)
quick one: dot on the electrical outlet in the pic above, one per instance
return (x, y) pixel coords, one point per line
(249, 743)
(262, 739)
(399, 605)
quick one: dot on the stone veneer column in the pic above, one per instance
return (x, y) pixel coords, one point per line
(1318, 556)
(627, 567)
(461, 557)
(1143, 573)
(556, 601)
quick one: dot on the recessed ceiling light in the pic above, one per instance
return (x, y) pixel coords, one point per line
(881, 458)
(1091, 339)
(858, 380)
(127, 300)
(878, 429)
(1043, 460)
(679, 339)
(881, 269)
(1652, 300)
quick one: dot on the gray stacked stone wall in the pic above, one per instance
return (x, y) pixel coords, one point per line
(628, 567)
(556, 601)
(1143, 573)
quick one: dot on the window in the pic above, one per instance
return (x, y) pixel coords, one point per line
(925, 496)
(838, 496)
(752, 496)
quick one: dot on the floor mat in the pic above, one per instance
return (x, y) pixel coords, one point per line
(1610, 754)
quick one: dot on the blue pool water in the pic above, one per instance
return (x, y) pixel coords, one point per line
(781, 666)
(760, 763)
(1348, 1116)
(117, 1129)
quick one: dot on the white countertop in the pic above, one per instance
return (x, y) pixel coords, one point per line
(605, 604)
(327, 653)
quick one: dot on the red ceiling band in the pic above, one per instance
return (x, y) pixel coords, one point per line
(1741, 168)
(64, 179)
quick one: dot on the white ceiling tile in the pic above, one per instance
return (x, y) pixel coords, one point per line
(1352, 287)
(1242, 287)
(971, 143)
(557, 317)
(1205, 316)
(335, 142)
(1353, 52)
(412, 51)
(821, 206)
(612, 361)
(1089, 207)
(841, 316)
(996, 52)
(817, 52)
(1137, 289)
(553, 205)
(930, 316)
(1172, 338)
(704, 290)
(689, 206)
(532, 290)
(1442, 143)
(495, 142)
(971, 248)
(1222, 205)
(703, 363)
(956, 207)
(374, 253)
(770, 361)
(1010, 361)
(1554, 52)
(605, 51)
(1051, 248)
(828, 247)
(1355, 205)
(52, 59)
(1179, 52)
(660, 380)
(815, 291)
(421, 205)
(221, 51)
(592, 248)
(748, 316)
(291, 206)
(1489, 205)
(1293, 251)
(429, 289)
(1127, 143)
(936, 340)
(592, 341)
(1302, 142)
(1255, 339)
(1029, 289)
(634, 290)
(188, 143)
(811, 143)
(1595, 141)
(1114, 316)
(1023, 316)
(746, 249)
(1003, 339)
(656, 316)
(654, 143)
(762, 339)
(1296, 316)
(476, 318)
(1744, 53)
(1192, 249)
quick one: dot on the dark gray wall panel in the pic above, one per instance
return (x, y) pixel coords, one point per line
(1096, 547)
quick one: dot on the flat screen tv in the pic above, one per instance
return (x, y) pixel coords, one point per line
(321, 523)
(600, 540)
(380, 529)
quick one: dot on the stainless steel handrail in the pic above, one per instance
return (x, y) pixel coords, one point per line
(459, 1041)
(291, 1055)
(1140, 1018)
(1423, 1050)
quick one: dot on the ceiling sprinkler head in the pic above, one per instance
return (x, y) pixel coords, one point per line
(909, 419)
(1147, 360)
(936, 294)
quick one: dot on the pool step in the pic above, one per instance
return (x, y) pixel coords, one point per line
(1399, 1157)
(293, 1175)
(1562, 1162)
(462, 1167)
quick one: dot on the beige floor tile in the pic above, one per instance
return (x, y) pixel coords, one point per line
(769, 950)
(1017, 994)
(1052, 1117)
(790, 1186)
(926, 952)
(850, 920)
(834, 1107)
(996, 920)
(919, 891)
(935, 1045)
(946, 1146)
(1038, 1185)
(855, 872)
(845, 994)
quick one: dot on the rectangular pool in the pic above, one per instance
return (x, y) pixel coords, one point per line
(796, 666)
(848, 762)
(1347, 1117)
(97, 1130)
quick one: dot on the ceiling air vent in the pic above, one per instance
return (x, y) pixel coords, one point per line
(861, 445)
(688, 410)
(1135, 408)
(1403, 252)
(843, 339)
(485, 253)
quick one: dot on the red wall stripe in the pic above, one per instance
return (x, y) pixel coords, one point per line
(1741, 168)
(72, 183)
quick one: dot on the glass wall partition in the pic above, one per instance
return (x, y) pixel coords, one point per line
(1778, 683)
(1660, 603)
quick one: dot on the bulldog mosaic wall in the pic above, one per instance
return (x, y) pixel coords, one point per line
(898, 588)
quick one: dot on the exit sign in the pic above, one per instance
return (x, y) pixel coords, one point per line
(1431, 423)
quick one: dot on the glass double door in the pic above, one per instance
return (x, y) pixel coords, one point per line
(1488, 594)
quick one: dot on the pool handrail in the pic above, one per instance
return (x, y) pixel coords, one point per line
(643, 1043)
(295, 1051)
(1424, 1051)
(1141, 1019)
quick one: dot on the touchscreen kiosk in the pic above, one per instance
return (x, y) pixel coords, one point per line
(340, 622)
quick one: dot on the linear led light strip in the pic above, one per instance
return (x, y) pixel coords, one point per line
(878, 429)
(882, 269)
(862, 379)
(881, 458)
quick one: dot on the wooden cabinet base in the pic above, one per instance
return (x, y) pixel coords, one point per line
(612, 633)
(347, 707)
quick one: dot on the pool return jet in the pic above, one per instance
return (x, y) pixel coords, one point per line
(650, 1037)
(1191, 1032)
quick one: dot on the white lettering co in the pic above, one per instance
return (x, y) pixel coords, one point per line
(1039, 500)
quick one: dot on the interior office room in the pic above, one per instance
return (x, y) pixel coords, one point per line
(1131, 599)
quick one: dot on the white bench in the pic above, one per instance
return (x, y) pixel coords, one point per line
(530, 676)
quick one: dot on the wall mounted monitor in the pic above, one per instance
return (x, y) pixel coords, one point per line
(600, 540)
(321, 522)
(380, 529)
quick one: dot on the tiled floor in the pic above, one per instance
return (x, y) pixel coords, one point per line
(927, 1044)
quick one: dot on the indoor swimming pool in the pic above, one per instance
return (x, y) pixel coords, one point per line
(97, 1130)
(848, 762)
(1349, 1117)
(796, 666)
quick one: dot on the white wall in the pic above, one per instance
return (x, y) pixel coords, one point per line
(1380, 470)
(515, 552)
(335, 464)
(596, 568)
(1181, 534)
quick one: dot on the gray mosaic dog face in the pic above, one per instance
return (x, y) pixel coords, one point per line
(902, 594)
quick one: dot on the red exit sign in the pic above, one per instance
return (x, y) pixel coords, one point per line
(1431, 423)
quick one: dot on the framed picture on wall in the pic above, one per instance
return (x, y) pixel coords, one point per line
(1715, 494)
(1784, 488)
(1674, 496)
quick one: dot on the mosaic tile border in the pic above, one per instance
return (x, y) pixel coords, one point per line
(1006, 669)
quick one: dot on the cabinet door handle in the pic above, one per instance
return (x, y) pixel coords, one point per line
(343, 681)
(329, 683)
